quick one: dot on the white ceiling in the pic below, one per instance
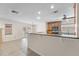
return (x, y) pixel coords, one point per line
(28, 11)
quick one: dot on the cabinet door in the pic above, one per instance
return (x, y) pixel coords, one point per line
(49, 26)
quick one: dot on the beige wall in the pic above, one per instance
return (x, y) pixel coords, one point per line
(17, 30)
(41, 27)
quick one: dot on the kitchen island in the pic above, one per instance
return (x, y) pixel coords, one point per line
(48, 45)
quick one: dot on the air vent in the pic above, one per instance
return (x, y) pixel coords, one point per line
(14, 11)
(56, 11)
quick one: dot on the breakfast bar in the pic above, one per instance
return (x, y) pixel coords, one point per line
(53, 45)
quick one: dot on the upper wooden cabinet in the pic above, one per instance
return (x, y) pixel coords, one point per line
(53, 27)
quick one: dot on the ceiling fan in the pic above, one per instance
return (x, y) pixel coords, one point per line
(65, 17)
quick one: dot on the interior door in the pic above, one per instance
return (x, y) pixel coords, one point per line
(0, 35)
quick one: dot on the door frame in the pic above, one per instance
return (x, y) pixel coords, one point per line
(0, 35)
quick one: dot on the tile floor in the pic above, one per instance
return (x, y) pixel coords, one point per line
(15, 48)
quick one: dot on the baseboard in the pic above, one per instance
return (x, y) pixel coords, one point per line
(37, 52)
(12, 40)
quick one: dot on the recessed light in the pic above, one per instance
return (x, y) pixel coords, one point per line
(39, 12)
(52, 6)
(38, 17)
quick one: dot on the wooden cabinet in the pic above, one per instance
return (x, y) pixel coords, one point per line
(53, 26)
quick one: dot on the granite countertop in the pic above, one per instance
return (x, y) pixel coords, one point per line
(53, 35)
